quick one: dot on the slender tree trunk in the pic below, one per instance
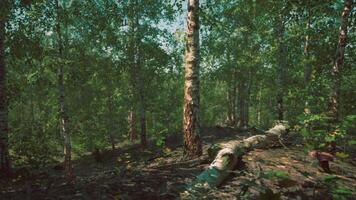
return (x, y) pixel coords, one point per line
(247, 99)
(231, 98)
(31, 133)
(141, 93)
(241, 122)
(132, 126)
(243, 105)
(334, 99)
(234, 99)
(281, 64)
(137, 69)
(259, 106)
(63, 118)
(132, 68)
(228, 98)
(142, 112)
(244, 84)
(112, 141)
(191, 126)
(110, 119)
(231, 95)
(4, 152)
(307, 67)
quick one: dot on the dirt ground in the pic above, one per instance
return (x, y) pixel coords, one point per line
(128, 173)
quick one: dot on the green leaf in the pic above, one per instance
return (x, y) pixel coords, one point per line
(352, 142)
(304, 132)
(341, 155)
(329, 178)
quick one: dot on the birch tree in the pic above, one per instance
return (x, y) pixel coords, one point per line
(63, 117)
(192, 141)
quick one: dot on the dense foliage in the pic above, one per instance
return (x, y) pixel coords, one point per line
(240, 55)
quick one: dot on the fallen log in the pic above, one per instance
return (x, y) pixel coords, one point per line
(228, 154)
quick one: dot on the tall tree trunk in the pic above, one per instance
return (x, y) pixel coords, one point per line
(141, 90)
(4, 152)
(137, 71)
(191, 126)
(244, 84)
(132, 69)
(307, 67)
(63, 118)
(281, 64)
(334, 98)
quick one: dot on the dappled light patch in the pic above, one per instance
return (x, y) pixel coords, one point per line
(151, 174)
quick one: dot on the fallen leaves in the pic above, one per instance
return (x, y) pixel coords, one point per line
(128, 176)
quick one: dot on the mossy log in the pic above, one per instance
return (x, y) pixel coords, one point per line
(228, 154)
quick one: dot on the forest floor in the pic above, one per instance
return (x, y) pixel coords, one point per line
(128, 173)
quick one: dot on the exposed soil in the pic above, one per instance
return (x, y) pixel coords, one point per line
(129, 173)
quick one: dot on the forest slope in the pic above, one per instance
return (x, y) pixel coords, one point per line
(131, 174)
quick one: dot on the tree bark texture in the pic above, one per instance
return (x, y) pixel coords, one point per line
(245, 81)
(4, 152)
(110, 120)
(247, 100)
(228, 154)
(243, 102)
(63, 117)
(191, 126)
(259, 104)
(281, 64)
(140, 84)
(137, 69)
(231, 99)
(334, 99)
(307, 67)
(132, 126)
(142, 111)
(132, 68)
